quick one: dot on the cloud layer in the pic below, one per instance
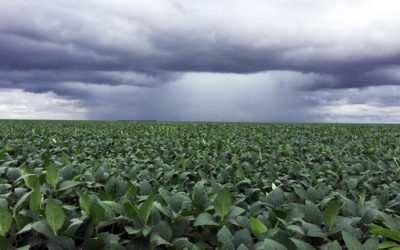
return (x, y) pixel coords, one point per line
(238, 60)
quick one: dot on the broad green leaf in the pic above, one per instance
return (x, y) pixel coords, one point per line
(371, 244)
(132, 190)
(100, 175)
(199, 196)
(115, 187)
(130, 210)
(175, 203)
(296, 229)
(13, 174)
(20, 202)
(43, 227)
(145, 188)
(313, 214)
(167, 211)
(388, 244)
(157, 240)
(26, 228)
(131, 230)
(242, 247)
(96, 212)
(146, 230)
(313, 230)
(222, 203)
(73, 227)
(235, 211)
(243, 236)
(302, 245)
(60, 243)
(67, 185)
(275, 197)
(5, 221)
(54, 215)
(334, 245)
(35, 199)
(273, 245)
(224, 235)
(257, 227)
(182, 243)
(27, 247)
(65, 157)
(4, 202)
(331, 212)
(229, 246)
(32, 181)
(145, 209)
(52, 174)
(85, 202)
(352, 242)
(204, 219)
(112, 207)
(109, 237)
(20, 191)
(388, 233)
(341, 223)
(164, 230)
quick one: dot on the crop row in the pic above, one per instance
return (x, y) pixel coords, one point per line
(149, 185)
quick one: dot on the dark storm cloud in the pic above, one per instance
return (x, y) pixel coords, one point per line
(39, 80)
(146, 54)
(59, 38)
(48, 60)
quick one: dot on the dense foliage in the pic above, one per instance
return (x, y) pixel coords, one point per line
(144, 185)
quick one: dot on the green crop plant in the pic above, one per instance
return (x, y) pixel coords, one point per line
(166, 185)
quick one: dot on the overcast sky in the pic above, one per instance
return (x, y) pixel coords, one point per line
(213, 60)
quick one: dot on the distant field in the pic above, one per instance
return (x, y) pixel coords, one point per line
(146, 185)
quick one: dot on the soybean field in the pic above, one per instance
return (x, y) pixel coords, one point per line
(170, 185)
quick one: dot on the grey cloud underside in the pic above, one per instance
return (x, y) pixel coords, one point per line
(32, 53)
(37, 61)
(252, 60)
